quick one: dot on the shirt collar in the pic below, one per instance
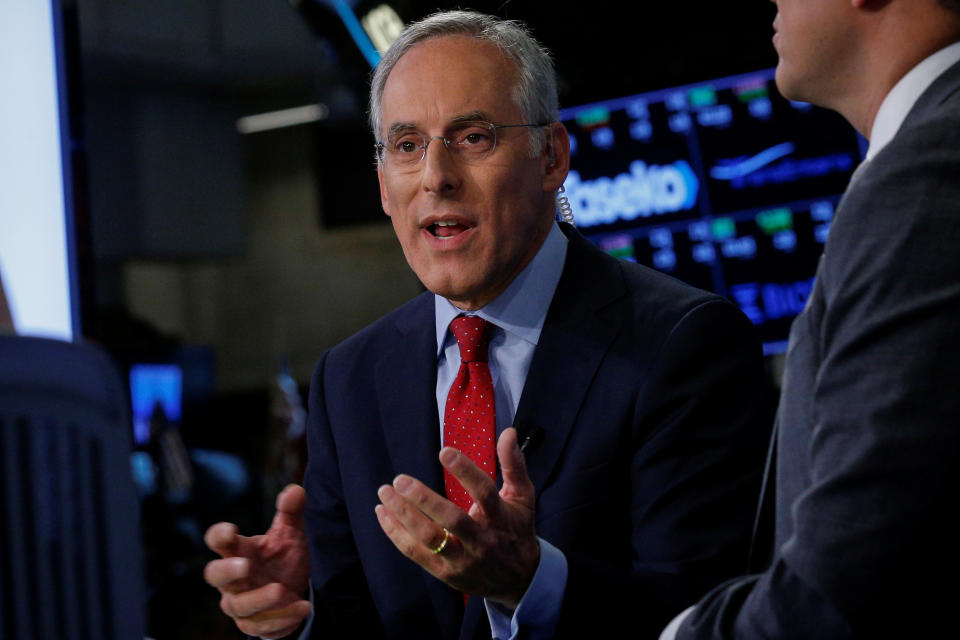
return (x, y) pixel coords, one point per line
(522, 307)
(895, 107)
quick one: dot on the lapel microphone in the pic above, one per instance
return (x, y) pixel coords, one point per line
(529, 435)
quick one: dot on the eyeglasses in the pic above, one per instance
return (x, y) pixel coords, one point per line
(471, 141)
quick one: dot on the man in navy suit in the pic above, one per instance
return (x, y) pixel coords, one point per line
(639, 401)
(868, 433)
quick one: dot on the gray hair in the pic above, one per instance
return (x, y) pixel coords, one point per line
(536, 91)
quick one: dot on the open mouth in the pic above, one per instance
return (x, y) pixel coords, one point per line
(446, 230)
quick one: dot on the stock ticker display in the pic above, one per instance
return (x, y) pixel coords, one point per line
(724, 184)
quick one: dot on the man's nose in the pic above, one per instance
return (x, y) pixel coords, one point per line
(440, 171)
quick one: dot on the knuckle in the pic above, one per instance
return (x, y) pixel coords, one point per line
(257, 627)
(226, 605)
(276, 592)
(209, 574)
(487, 499)
(486, 493)
(389, 526)
(490, 541)
(406, 548)
(248, 627)
(420, 498)
(400, 508)
(462, 521)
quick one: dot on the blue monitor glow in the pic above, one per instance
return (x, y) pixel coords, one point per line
(153, 388)
(35, 220)
(723, 184)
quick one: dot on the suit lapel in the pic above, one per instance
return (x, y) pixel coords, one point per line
(475, 624)
(761, 539)
(576, 335)
(406, 384)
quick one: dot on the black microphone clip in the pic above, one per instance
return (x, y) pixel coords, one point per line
(528, 435)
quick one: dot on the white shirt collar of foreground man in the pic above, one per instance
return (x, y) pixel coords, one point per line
(895, 107)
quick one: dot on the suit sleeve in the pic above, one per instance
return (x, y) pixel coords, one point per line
(871, 552)
(342, 603)
(699, 445)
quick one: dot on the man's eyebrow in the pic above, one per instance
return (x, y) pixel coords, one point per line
(473, 116)
(399, 127)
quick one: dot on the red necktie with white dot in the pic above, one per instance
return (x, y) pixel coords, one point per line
(469, 421)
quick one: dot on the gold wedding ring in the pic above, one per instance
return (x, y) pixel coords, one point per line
(443, 543)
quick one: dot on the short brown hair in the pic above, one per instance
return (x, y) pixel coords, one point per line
(952, 5)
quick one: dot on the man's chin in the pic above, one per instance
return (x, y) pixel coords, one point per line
(788, 84)
(459, 294)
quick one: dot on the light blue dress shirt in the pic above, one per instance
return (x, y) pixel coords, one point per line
(518, 313)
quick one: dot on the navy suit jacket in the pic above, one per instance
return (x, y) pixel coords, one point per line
(646, 400)
(868, 435)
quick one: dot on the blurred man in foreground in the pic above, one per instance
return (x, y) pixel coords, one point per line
(868, 435)
(638, 401)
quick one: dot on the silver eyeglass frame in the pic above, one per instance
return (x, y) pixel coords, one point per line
(380, 147)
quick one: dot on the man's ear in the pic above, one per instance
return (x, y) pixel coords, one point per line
(556, 157)
(383, 190)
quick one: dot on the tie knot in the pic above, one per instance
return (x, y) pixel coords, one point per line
(472, 334)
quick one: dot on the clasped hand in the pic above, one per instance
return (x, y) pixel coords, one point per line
(492, 551)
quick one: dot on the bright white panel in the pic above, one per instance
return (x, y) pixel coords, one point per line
(33, 236)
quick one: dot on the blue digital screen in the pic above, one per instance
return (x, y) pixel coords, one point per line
(154, 388)
(724, 184)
